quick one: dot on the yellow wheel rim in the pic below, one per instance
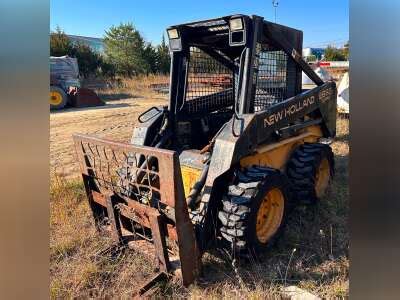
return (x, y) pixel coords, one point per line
(322, 178)
(269, 215)
(55, 98)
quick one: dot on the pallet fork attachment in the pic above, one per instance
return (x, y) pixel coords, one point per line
(150, 216)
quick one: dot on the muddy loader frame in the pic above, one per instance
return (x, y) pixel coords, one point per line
(235, 96)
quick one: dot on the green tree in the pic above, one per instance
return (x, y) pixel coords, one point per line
(334, 54)
(310, 58)
(60, 44)
(88, 60)
(125, 49)
(106, 68)
(346, 50)
(163, 60)
(150, 56)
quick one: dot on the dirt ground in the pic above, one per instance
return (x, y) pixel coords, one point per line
(115, 120)
(312, 253)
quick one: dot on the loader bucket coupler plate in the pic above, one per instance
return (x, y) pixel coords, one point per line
(136, 193)
(84, 97)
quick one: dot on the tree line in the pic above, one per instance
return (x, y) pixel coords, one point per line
(337, 54)
(126, 53)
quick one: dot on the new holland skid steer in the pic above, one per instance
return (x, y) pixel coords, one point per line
(239, 144)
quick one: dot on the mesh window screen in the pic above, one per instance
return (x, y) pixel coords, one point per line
(209, 85)
(272, 78)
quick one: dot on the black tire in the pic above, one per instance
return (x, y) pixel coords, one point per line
(302, 170)
(240, 205)
(63, 100)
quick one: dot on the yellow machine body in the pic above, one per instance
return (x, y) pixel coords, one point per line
(273, 155)
(189, 177)
(276, 155)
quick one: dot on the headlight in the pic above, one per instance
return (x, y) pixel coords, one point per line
(236, 24)
(173, 33)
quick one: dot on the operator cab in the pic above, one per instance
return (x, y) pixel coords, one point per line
(226, 66)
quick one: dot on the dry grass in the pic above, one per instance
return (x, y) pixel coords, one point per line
(81, 266)
(138, 86)
(81, 261)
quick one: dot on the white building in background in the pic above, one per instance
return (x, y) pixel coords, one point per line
(312, 54)
(321, 72)
(96, 44)
(343, 96)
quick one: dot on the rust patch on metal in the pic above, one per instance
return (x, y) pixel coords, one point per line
(131, 188)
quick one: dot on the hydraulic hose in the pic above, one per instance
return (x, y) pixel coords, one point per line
(197, 187)
(163, 135)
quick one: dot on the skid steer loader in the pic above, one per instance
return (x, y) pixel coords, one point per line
(239, 144)
(65, 86)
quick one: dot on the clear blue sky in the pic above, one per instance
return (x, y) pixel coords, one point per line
(322, 22)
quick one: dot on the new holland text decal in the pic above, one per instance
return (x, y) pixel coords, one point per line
(300, 105)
